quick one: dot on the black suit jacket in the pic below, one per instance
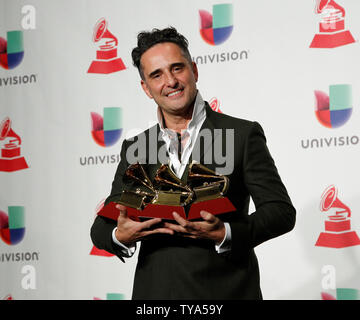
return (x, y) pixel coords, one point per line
(173, 267)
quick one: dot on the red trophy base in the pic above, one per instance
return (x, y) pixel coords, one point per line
(150, 211)
(332, 40)
(337, 240)
(158, 211)
(106, 66)
(215, 206)
(10, 165)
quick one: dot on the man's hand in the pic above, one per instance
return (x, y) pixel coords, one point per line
(129, 231)
(212, 228)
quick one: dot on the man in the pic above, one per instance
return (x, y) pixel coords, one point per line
(212, 258)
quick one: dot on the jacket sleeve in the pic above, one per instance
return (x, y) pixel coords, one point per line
(101, 230)
(274, 214)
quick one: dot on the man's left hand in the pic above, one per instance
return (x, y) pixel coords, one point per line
(212, 228)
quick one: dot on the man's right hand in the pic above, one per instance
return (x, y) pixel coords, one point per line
(129, 231)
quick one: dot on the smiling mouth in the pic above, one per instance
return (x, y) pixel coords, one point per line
(175, 93)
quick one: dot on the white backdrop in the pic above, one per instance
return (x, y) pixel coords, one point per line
(271, 79)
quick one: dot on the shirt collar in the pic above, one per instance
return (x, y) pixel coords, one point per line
(199, 113)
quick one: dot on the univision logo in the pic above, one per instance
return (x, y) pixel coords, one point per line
(12, 50)
(112, 296)
(11, 55)
(217, 27)
(12, 227)
(333, 110)
(342, 294)
(107, 129)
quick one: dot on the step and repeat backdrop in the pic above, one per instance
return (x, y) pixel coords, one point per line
(66, 80)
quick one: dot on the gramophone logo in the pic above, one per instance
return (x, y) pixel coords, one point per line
(335, 109)
(10, 157)
(216, 28)
(107, 60)
(338, 233)
(215, 104)
(11, 50)
(332, 32)
(12, 227)
(106, 131)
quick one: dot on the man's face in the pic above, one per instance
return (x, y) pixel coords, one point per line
(169, 78)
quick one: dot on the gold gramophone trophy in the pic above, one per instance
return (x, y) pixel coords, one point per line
(209, 191)
(166, 194)
(157, 199)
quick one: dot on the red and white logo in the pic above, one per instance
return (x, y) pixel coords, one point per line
(10, 157)
(215, 104)
(107, 60)
(332, 31)
(338, 233)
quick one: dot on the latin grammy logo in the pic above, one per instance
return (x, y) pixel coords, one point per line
(10, 158)
(106, 60)
(332, 31)
(338, 232)
(215, 104)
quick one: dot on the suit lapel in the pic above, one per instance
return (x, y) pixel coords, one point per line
(155, 145)
(203, 148)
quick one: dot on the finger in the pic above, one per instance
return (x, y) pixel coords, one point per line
(180, 220)
(149, 223)
(175, 227)
(207, 216)
(157, 230)
(122, 209)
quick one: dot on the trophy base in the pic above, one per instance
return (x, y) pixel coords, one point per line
(10, 165)
(337, 240)
(214, 206)
(151, 211)
(162, 211)
(106, 66)
(332, 40)
(165, 212)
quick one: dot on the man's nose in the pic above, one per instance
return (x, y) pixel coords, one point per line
(170, 80)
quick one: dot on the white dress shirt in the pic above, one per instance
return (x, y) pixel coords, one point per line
(179, 159)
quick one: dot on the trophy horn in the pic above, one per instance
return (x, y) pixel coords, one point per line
(137, 172)
(165, 176)
(198, 171)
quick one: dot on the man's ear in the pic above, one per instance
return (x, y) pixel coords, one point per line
(195, 71)
(146, 89)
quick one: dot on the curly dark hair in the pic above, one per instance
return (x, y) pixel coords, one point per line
(147, 39)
